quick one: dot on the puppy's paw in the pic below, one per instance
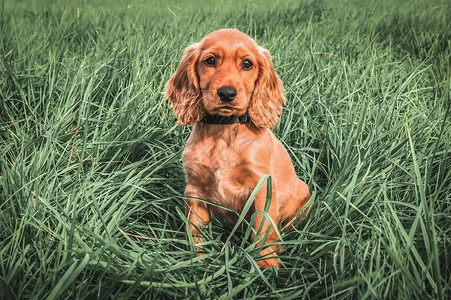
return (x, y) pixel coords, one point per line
(269, 259)
(269, 263)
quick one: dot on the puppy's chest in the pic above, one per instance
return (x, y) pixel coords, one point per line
(216, 160)
(216, 171)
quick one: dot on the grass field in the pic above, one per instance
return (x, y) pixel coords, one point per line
(91, 183)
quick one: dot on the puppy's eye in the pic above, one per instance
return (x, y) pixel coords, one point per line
(211, 61)
(247, 64)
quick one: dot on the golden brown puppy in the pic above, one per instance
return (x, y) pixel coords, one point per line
(226, 87)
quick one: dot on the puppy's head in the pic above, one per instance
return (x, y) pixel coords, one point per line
(226, 74)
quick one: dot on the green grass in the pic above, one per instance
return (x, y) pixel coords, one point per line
(91, 183)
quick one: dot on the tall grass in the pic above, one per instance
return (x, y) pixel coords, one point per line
(91, 183)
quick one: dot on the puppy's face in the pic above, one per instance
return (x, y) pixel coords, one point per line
(226, 74)
(228, 69)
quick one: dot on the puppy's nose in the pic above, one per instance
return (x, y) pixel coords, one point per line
(227, 93)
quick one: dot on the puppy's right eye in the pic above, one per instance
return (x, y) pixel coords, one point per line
(211, 61)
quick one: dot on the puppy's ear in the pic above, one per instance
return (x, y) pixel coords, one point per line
(267, 98)
(184, 91)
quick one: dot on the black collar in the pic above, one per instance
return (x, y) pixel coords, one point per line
(222, 120)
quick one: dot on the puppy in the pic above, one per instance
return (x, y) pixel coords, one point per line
(227, 89)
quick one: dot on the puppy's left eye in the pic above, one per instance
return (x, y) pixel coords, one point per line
(247, 64)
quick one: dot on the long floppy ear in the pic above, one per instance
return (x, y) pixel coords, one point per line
(267, 98)
(183, 89)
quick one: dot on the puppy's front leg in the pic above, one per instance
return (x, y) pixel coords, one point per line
(266, 230)
(197, 213)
